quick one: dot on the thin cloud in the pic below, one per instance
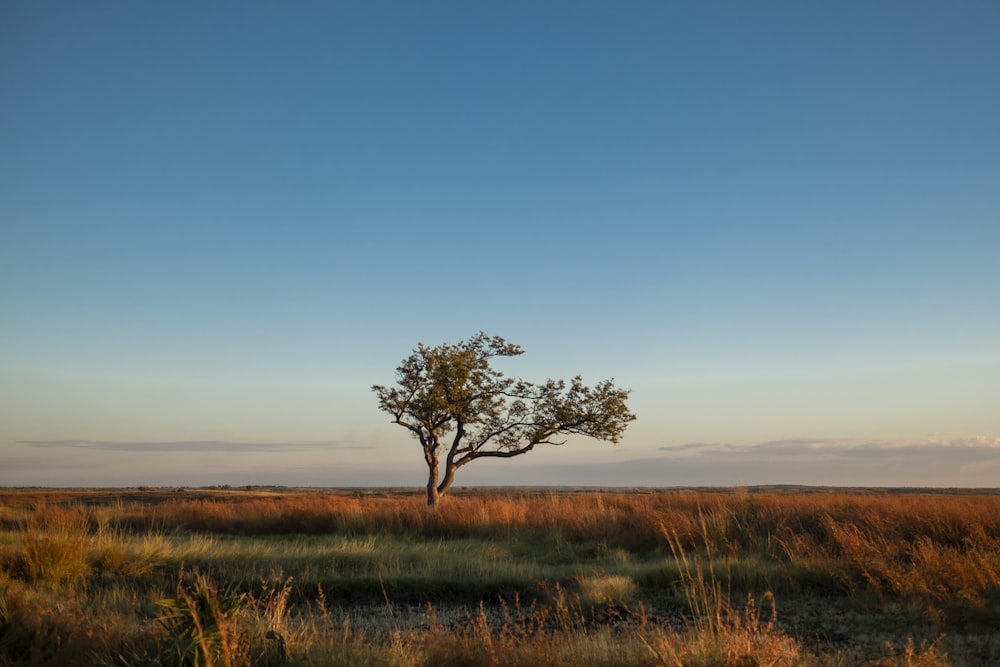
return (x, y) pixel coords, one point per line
(840, 448)
(692, 446)
(932, 462)
(193, 445)
(802, 443)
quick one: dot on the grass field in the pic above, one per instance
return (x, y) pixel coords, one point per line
(322, 577)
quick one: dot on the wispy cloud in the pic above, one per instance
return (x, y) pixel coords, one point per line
(838, 448)
(932, 461)
(194, 445)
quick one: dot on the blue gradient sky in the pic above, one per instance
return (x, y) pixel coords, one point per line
(778, 223)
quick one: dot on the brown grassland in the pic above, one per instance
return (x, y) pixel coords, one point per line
(740, 577)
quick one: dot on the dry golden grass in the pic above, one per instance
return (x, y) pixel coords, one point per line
(648, 578)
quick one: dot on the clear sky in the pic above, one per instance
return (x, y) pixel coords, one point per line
(778, 223)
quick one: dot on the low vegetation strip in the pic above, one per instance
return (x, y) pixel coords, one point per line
(323, 577)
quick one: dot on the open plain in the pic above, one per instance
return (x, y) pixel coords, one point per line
(276, 576)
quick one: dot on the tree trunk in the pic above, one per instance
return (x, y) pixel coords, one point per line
(449, 477)
(433, 495)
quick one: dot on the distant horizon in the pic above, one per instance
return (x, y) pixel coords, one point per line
(836, 462)
(419, 490)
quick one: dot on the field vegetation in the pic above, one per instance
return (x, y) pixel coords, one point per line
(644, 578)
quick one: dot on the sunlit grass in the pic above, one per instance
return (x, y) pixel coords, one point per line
(566, 578)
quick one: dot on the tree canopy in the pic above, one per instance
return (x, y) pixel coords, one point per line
(459, 407)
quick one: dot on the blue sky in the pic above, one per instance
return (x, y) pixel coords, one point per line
(778, 223)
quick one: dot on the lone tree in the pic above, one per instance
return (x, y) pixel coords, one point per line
(455, 404)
